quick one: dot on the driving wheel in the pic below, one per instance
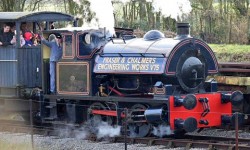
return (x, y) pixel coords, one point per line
(139, 128)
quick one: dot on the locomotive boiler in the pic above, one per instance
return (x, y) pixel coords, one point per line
(138, 64)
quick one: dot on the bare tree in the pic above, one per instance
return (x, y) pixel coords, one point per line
(8, 5)
(22, 5)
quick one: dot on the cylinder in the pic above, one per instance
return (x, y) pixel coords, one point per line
(156, 115)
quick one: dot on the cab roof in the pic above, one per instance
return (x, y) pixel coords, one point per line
(34, 16)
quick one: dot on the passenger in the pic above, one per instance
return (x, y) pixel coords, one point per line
(51, 24)
(22, 41)
(13, 28)
(24, 28)
(55, 55)
(6, 35)
(28, 38)
(36, 39)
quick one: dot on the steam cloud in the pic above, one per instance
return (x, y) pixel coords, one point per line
(105, 12)
(173, 9)
(162, 130)
(104, 16)
(169, 8)
(101, 129)
(81, 133)
(106, 130)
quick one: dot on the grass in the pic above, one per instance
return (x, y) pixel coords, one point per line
(231, 52)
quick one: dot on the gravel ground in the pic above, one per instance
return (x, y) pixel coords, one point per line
(223, 133)
(20, 141)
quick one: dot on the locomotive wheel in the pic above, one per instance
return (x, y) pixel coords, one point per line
(140, 129)
(178, 134)
(97, 120)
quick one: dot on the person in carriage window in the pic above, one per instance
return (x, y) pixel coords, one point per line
(22, 40)
(28, 38)
(6, 35)
(55, 55)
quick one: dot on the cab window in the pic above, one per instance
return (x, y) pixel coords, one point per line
(68, 46)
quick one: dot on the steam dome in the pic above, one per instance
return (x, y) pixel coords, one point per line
(153, 35)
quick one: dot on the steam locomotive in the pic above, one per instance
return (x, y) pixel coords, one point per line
(151, 81)
(145, 82)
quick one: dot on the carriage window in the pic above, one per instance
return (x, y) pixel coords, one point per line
(68, 47)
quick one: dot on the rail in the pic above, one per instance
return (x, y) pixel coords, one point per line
(241, 67)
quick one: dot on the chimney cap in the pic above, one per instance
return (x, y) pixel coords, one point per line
(183, 25)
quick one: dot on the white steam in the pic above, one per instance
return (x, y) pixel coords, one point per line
(169, 8)
(106, 130)
(172, 8)
(124, 1)
(81, 133)
(77, 1)
(104, 16)
(104, 12)
(162, 130)
(99, 128)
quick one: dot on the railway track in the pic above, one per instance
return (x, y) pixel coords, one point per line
(234, 76)
(188, 141)
(191, 142)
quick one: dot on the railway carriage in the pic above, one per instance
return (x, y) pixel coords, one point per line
(148, 82)
(21, 66)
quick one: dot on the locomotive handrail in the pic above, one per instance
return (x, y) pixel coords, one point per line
(205, 105)
(132, 55)
(123, 40)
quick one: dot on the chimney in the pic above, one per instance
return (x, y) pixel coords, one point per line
(183, 31)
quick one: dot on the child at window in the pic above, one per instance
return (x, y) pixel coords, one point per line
(28, 38)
